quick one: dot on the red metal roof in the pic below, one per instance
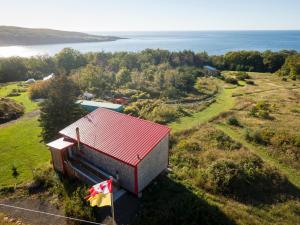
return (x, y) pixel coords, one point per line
(123, 137)
(60, 144)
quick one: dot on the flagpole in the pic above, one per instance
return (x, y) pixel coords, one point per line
(112, 203)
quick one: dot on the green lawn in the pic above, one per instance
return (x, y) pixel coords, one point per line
(20, 145)
(224, 102)
(23, 98)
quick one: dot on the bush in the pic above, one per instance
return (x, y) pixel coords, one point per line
(14, 92)
(261, 136)
(76, 206)
(242, 76)
(250, 82)
(248, 179)
(233, 121)
(223, 176)
(39, 89)
(10, 110)
(132, 110)
(225, 142)
(231, 80)
(262, 110)
(188, 145)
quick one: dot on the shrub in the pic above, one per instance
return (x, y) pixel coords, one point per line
(233, 121)
(264, 114)
(248, 179)
(223, 176)
(231, 80)
(262, 110)
(10, 109)
(39, 89)
(225, 142)
(261, 136)
(242, 76)
(188, 145)
(44, 177)
(250, 82)
(76, 207)
(7, 190)
(15, 172)
(132, 110)
(14, 92)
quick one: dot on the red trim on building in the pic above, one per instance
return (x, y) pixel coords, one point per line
(136, 180)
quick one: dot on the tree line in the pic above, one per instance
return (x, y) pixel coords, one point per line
(17, 68)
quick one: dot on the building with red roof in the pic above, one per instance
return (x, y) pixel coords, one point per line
(107, 143)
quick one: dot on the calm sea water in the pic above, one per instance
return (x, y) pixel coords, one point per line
(213, 42)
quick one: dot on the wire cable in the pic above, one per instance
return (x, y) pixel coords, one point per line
(50, 214)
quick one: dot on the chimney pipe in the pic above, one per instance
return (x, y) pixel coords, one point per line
(78, 138)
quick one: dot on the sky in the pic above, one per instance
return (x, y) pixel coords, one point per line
(152, 15)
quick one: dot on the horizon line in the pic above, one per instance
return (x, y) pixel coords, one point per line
(159, 30)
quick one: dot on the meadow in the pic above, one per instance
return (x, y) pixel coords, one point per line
(225, 177)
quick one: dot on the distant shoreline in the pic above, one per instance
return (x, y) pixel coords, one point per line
(19, 36)
(58, 43)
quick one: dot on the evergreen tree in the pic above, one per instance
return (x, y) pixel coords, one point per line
(60, 109)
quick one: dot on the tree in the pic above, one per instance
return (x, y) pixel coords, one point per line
(123, 77)
(59, 109)
(12, 69)
(69, 59)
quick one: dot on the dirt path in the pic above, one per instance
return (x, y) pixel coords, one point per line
(25, 116)
(125, 210)
(33, 218)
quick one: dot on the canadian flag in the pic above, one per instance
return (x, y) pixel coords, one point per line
(104, 187)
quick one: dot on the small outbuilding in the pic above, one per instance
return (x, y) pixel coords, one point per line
(30, 81)
(107, 143)
(93, 105)
(211, 71)
(88, 96)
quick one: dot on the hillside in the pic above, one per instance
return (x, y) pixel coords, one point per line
(28, 36)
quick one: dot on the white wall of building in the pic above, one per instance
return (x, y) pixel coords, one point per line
(153, 164)
(111, 166)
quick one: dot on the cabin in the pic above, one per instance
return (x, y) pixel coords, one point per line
(106, 143)
(88, 96)
(211, 71)
(93, 105)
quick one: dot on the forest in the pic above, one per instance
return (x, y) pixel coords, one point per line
(143, 63)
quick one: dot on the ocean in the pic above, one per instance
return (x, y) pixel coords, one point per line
(213, 42)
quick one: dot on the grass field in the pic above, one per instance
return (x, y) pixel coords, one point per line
(21, 146)
(23, 98)
(284, 98)
(224, 102)
(292, 174)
